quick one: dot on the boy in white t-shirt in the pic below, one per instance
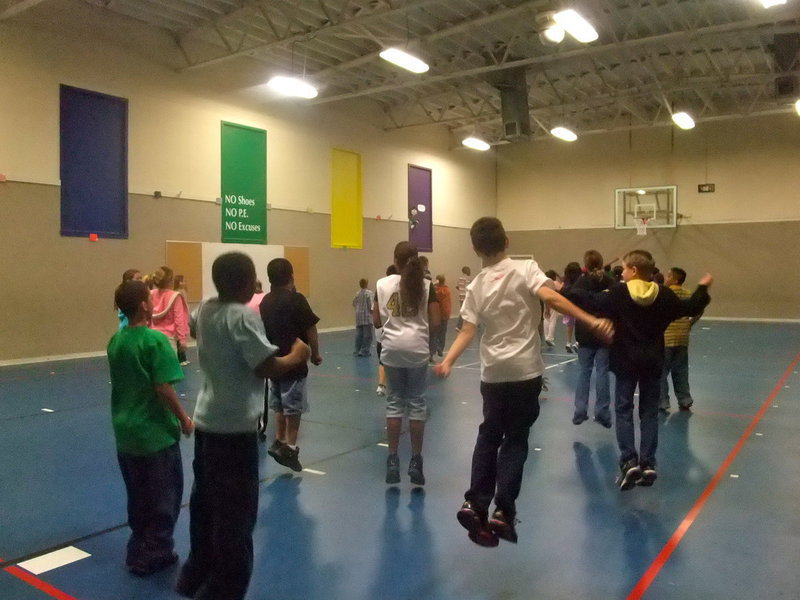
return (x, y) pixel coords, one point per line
(504, 298)
(235, 357)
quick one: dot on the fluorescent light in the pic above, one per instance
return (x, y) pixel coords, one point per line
(292, 86)
(641, 192)
(554, 34)
(797, 107)
(403, 59)
(683, 120)
(564, 134)
(475, 143)
(576, 26)
(771, 3)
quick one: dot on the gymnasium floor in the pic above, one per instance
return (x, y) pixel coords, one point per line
(720, 522)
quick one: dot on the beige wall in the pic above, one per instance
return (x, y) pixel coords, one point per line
(551, 184)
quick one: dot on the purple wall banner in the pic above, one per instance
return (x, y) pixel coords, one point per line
(420, 208)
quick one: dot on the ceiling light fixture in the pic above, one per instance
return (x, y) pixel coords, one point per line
(475, 143)
(797, 107)
(683, 120)
(550, 32)
(292, 86)
(403, 59)
(641, 192)
(576, 26)
(564, 134)
(771, 3)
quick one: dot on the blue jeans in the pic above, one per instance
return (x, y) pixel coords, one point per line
(406, 392)
(676, 361)
(363, 339)
(509, 410)
(648, 417)
(597, 358)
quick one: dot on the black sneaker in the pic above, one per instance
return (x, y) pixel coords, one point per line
(649, 475)
(392, 469)
(685, 407)
(604, 422)
(415, 470)
(273, 449)
(578, 419)
(288, 457)
(474, 521)
(154, 565)
(503, 526)
(630, 474)
(568, 348)
(550, 343)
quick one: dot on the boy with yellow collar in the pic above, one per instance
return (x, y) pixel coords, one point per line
(641, 310)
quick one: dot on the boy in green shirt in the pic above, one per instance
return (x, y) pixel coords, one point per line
(148, 419)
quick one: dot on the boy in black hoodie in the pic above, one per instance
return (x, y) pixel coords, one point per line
(640, 311)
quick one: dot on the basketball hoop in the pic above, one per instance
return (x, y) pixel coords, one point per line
(641, 226)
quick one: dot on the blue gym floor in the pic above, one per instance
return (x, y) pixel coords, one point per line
(724, 505)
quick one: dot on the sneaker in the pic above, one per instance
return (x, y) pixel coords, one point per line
(604, 422)
(381, 390)
(568, 348)
(392, 469)
(154, 565)
(503, 526)
(288, 457)
(273, 449)
(185, 363)
(575, 347)
(578, 419)
(550, 343)
(415, 470)
(630, 474)
(649, 475)
(474, 521)
(685, 407)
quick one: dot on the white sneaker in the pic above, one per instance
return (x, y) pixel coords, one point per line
(381, 391)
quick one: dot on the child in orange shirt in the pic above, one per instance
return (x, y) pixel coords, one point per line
(443, 296)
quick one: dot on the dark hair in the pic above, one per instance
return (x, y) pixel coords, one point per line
(362, 283)
(551, 274)
(279, 272)
(642, 260)
(163, 278)
(658, 277)
(488, 236)
(412, 276)
(466, 270)
(233, 273)
(593, 261)
(616, 272)
(679, 274)
(129, 275)
(571, 273)
(392, 270)
(129, 295)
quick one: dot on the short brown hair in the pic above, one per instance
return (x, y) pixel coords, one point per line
(592, 260)
(129, 295)
(642, 260)
(488, 236)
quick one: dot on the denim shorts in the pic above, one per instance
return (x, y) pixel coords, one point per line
(288, 397)
(406, 392)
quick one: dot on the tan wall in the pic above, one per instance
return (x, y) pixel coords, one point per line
(56, 293)
(753, 263)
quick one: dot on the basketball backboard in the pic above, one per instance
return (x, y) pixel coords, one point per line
(659, 205)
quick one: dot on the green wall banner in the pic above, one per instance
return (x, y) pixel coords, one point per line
(244, 184)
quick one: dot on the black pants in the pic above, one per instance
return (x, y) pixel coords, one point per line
(222, 516)
(154, 483)
(509, 410)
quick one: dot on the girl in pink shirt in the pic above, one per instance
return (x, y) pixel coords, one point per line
(170, 311)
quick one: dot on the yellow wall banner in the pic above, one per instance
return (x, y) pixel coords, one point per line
(346, 217)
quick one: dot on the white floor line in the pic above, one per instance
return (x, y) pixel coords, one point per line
(314, 472)
(561, 363)
(468, 365)
(384, 444)
(53, 560)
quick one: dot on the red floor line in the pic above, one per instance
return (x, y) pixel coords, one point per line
(663, 556)
(40, 585)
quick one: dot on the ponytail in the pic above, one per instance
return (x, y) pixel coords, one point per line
(412, 276)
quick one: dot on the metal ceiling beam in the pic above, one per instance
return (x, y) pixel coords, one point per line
(666, 38)
(19, 7)
(327, 29)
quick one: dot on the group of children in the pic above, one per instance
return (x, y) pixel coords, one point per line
(237, 350)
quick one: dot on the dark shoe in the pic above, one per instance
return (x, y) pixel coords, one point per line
(474, 521)
(273, 449)
(664, 410)
(392, 469)
(154, 565)
(415, 470)
(288, 457)
(686, 407)
(503, 526)
(630, 474)
(649, 476)
(578, 419)
(568, 349)
(550, 343)
(187, 585)
(604, 422)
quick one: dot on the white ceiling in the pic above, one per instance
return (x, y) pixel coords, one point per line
(713, 58)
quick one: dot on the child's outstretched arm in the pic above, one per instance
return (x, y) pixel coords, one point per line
(694, 305)
(462, 341)
(275, 366)
(313, 343)
(166, 393)
(602, 329)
